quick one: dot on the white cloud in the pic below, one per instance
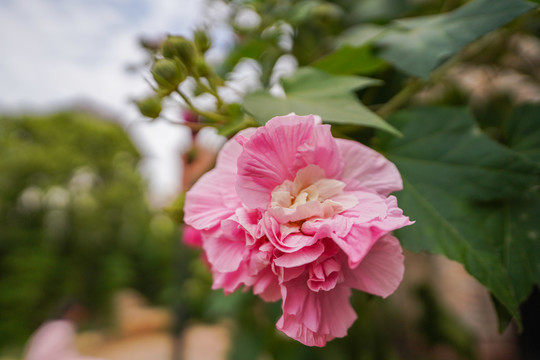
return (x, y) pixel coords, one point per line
(59, 51)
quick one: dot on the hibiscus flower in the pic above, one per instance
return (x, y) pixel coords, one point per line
(296, 214)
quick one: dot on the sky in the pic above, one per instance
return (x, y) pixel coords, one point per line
(60, 52)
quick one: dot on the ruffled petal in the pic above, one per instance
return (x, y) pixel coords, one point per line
(225, 252)
(355, 240)
(192, 237)
(357, 229)
(230, 281)
(368, 206)
(268, 157)
(381, 270)
(229, 153)
(356, 244)
(313, 318)
(266, 285)
(213, 198)
(303, 256)
(249, 220)
(393, 220)
(286, 215)
(369, 167)
(322, 150)
(206, 204)
(285, 237)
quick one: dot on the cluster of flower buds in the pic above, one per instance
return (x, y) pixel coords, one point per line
(175, 60)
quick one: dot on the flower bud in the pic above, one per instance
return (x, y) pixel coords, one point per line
(150, 106)
(201, 68)
(168, 74)
(178, 47)
(202, 41)
(190, 116)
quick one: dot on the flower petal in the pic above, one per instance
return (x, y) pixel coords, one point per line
(206, 204)
(230, 281)
(300, 257)
(213, 198)
(357, 229)
(369, 167)
(381, 270)
(266, 285)
(192, 237)
(229, 153)
(313, 318)
(225, 252)
(268, 157)
(285, 237)
(356, 244)
(322, 150)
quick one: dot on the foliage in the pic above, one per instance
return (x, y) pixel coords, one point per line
(75, 221)
(335, 102)
(419, 45)
(469, 157)
(467, 192)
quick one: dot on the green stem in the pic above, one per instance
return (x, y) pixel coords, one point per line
(400, 99)
(213, 92)
(415, 85)
(193, 126)
(209, 115)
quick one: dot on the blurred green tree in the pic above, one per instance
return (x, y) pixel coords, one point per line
(74, 219)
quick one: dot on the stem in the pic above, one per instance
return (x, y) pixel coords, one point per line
(400, 99)
(211, 91)
(193, 126)
(415, 84)
(196, 126)
(209, 115)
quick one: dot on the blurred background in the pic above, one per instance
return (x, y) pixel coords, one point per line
(90, 190)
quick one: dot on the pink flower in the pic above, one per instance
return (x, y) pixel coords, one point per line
(296, 214)
(192, 237)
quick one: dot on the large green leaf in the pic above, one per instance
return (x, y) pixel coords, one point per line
(447, 166)
(351, 60)
(520, 215)
(523, 131)
(419, 45)
(445, 148)
(373, 10)
(354, 53)
(313, 91)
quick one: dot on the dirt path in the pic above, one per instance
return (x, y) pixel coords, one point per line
(158, 346)
(208, 342)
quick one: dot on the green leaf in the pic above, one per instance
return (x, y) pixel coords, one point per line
(444, 147)
(419, 45)
(447, 166)
(503, 316)
(350, 60)
(523, 131)
(360, 35)
(313, 91)
(354, 54)
(370, 10)
(521, 235)
(457, 229)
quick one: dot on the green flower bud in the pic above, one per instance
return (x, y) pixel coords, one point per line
(178, 47)
(201, 68)
(168, 74)
(150, 107)
(202, 41)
